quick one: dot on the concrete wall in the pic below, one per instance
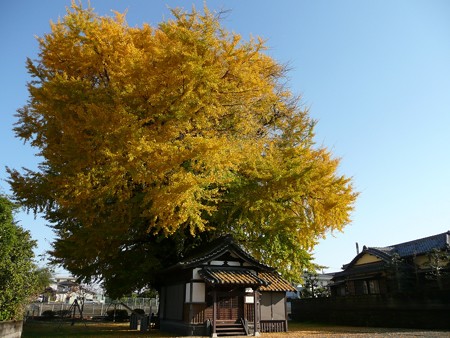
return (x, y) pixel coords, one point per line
(376, 310)
(11, 329)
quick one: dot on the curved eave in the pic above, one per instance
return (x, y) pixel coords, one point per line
(369, 251)
(226, 244)
(363, 270)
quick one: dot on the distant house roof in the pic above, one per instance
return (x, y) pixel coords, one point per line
(67, 283)
(416, 247)
(419, 246)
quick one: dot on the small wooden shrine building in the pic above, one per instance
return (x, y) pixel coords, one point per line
(222, 291)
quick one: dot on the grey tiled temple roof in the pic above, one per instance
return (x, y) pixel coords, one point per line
(418, 246)
(214, 250)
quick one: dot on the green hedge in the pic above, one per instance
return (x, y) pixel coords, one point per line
(18, 273)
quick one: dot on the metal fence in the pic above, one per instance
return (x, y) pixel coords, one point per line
(149, 305)
(141, 303)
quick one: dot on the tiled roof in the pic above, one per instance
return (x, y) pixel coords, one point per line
(231, 276)
(419, 246)
(217, 248)
(255, 274)
(276, 283)
(267, 281)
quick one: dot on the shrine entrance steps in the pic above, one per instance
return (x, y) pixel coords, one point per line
(230, 328)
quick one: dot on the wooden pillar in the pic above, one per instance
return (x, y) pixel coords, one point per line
(191, 310)
(286, 314)
(256, 312)
(214, 332)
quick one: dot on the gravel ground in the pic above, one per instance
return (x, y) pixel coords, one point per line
(356, 332)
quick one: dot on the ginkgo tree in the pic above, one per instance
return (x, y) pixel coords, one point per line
(155, 140)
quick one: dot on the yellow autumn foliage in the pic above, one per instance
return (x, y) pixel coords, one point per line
(171, 132)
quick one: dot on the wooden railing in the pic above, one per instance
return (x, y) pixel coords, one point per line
(245, 325)
(273, 326)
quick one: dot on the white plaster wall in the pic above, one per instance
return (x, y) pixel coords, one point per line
(198, 292)
(188, 293)
(195, 274)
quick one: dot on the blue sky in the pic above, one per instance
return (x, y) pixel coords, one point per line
(375, 74)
